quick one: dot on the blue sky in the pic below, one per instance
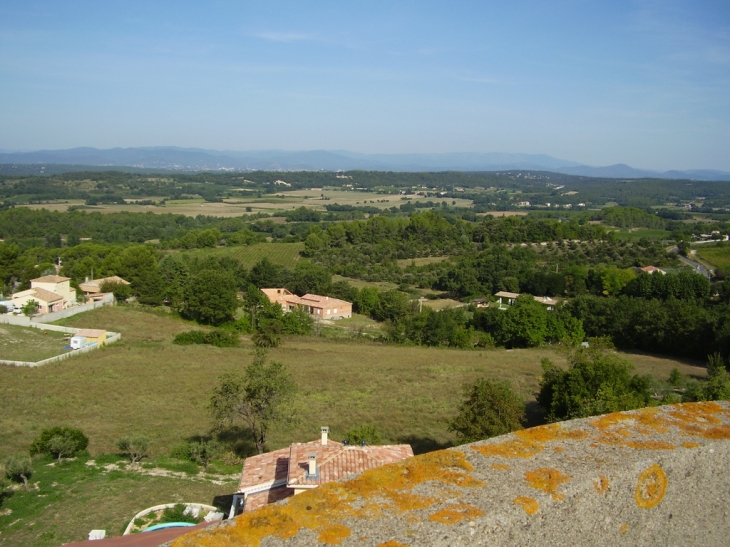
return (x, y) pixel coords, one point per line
(645, 83)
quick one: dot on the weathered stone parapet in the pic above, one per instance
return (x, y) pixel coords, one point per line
(656, 476)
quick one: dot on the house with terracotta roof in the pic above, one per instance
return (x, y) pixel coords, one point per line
(50, 292)
(92, 288)
(321, 307)
(270, 477)
(652, 269)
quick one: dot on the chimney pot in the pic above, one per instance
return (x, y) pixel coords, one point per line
(325, 432)
(312, 460)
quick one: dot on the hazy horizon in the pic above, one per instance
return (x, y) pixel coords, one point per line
(640, 83)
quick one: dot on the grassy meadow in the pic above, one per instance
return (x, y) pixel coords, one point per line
(144, 384)
(718, 256)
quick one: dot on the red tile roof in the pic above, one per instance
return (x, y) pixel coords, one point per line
(46, 296)
(287, 468)
(51, 279)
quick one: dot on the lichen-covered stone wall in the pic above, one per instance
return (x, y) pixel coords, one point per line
(657, 476)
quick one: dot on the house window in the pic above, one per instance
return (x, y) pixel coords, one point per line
(334, 311)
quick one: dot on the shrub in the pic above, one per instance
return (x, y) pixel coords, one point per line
(135, 448)
(490, 408)
(366, 432)
(177, 514)
(121, 291)
(41, 444)
(203, 452)
(3, 309)
(596, 383)
(61, 446)
(181, 452)
(19, 468)
(218, 337)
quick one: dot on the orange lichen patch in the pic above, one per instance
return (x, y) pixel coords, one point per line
(500, 466)
(718, 432)
(333, 535)
(557, 496)
(453, 514)
(624, 528)
(601, 484)
(366, 497)
(558, 448)
(650, 445)
(528, 504)
(546, 479)
(513, 448)
(550, 432)
(698, 413)
(651, 487)
(403, 502)
(392, 543)
(690, 445)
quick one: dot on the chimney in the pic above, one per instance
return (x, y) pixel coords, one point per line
(312, 459)
(86, 279)
(325, 431)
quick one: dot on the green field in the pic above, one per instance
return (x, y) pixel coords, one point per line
(284, 254)
(28, 344)
(68, 501)
(637, 233)
(718, 256)
(146, 385)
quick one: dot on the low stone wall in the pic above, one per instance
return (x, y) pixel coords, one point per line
(656, 476)
(21, 320)
(110, 338)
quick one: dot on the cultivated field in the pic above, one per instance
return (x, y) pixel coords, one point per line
(717, 256)
(145, 384)
(27, 344)
(280, 202)
(284, 254)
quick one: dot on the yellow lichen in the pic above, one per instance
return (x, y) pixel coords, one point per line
(624, 528)
(650, 445)
(454, 514)
(500, 466)
(513, 448)
(546, 479)
(558, 448)
(690, 445)
(334, 534)
(651, 487)
(550, 432)
(601, 484)
(376, 490)
(528, 504)
(392, 543)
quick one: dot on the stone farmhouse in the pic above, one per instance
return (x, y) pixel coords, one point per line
(51, 293)
(274, 476)
(321, 307)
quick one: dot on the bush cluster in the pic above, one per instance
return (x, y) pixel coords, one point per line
(218, 337)
(49, 441)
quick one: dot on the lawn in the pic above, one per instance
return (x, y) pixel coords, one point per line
(66, 502)
(28, 344)
(718, 256)
(284, 254)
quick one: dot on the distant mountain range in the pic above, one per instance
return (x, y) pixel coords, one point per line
(197, 159)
